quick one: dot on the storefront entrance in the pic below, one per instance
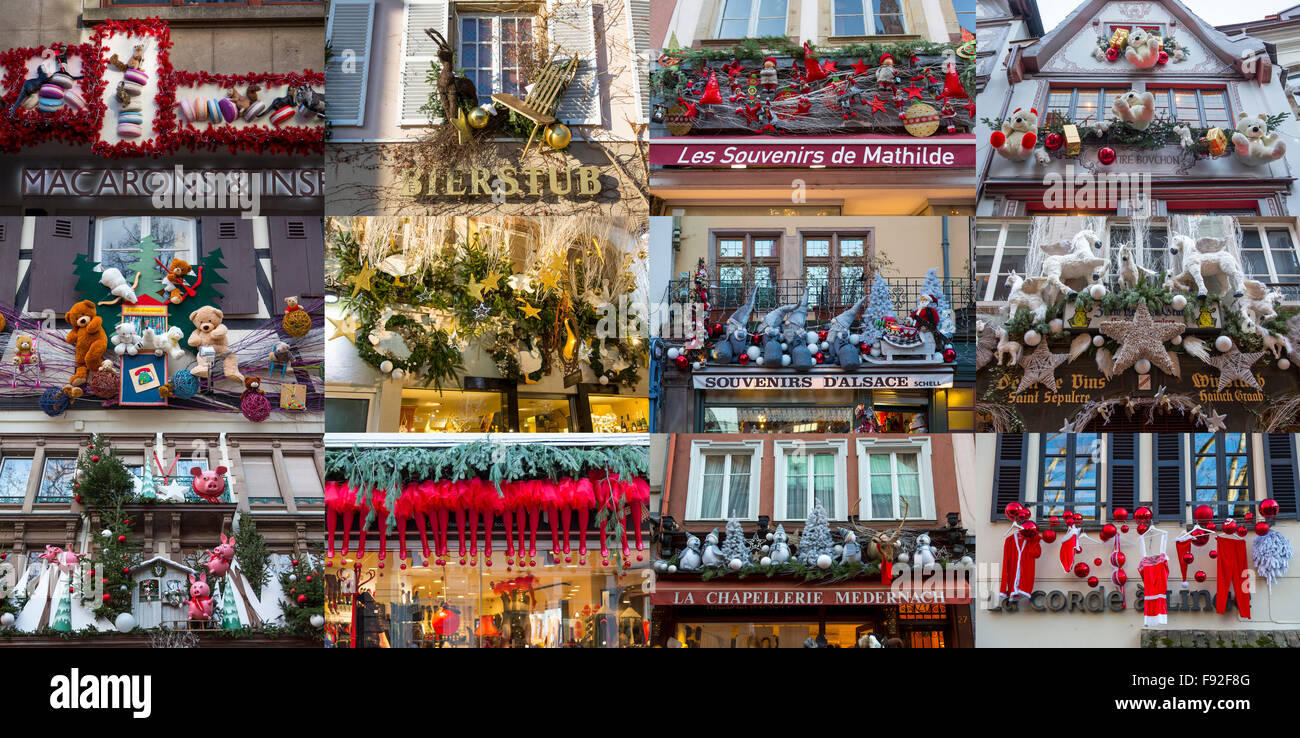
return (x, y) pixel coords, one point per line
(915, 625)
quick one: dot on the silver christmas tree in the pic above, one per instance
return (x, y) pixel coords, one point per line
(733, 547)
(815, 541)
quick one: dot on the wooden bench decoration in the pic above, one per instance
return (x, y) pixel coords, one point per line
(543, 97)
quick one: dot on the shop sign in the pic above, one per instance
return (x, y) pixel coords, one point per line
(164, 182)
(1101, 600)
(1079, 317)
(890, 152)
(758, 380)
(666, 594)
(506, 182)
(1085, 388)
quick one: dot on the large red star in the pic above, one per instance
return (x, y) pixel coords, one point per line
(877, 105)
(913, 91)
(828, 66)
(749, 113)
(861, 68)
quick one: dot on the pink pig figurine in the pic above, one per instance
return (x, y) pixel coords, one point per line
(200, 602)
(220, 557)
(209, 484)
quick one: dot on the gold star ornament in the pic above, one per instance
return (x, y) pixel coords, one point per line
(529, 310)
(1142, 338)
(361, 280)
(345, 328)
(1040, 368)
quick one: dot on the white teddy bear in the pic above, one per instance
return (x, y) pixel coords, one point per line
(1137, 109)
(126, 339)
(1143, 49)
(1018, 136)
(164, 343)
(1255, 145)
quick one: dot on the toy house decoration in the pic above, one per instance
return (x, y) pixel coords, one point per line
(158, 590)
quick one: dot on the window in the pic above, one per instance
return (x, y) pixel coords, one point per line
(1083, 104)
(893, 475)
(868, 17)
(351, 25)
(988, 42)
(1221, 472)
(746, 261)
(346, 414)
(752, 19)
(1268, 253)
(492, 50)
(15, 472)
(451, 411)
(1069, 474)
(304, 477)
(56, 480)
(260, 483)
(1153, 254)
(808, 473)
(117, 243)
(835, 268)
(1198, 107)
(724, 480)
(1000, 248)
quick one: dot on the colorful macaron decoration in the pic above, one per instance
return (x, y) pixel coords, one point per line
(254, 109)
(130, 124)
(74, 101)
(50, 98)
(279, 117)
(134, 81)
(228, 110)
(62, 79)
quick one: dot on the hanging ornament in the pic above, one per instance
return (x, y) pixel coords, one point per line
(1053, 141)
(813, 71)
(921, 120)
(1106, 155)
(558, 136)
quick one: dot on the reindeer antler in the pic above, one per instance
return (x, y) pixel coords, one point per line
(437, 38)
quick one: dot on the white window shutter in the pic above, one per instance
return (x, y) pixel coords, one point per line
(351, 24)
(638, 14)
(418, 54)
(572, 28)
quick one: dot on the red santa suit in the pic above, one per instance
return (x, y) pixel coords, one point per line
(1154, 569)
(1072, 545)
(1231, 574)
(1019, 560)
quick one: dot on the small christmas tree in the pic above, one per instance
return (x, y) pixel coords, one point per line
(880, 306)
(304, 596)
(734, 546)
(229, 610)
(111, 565)
(815, 540)
(102, 479)
(61, 620)
(148, 483)
(251, 553)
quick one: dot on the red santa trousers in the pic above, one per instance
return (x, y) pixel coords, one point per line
(1019, 561)
(1069, 547)
(1183, 548)
(1155, 586)
(1232, 575)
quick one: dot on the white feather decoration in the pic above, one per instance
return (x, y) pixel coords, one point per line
(1196, 347)
(1105, 363)
(1081, 343)
(1272, 554)
(1173, 359)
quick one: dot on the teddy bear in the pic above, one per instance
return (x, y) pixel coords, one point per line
(164, 343)
(209, 337)
(126, 339)
(1143, 48)
(25, 351)
(88, 336)
(1135, 108)
(1255, 145)
(253, 385)
(177, 271)
(1018, 136)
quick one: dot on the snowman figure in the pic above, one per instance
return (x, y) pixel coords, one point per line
(712, 552)
(780, 546)
(852, 551)
(690, 557)
(923, 554)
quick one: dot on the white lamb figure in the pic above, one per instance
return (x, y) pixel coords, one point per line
(1012, 349)
(1137, 109)
(126, 339)
(1073, 259)
(1207, 257)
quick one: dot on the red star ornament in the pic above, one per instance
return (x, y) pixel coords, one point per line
(913, 91)
(860, 68)
(877, 105)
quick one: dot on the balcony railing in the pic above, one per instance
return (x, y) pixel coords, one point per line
(826, 299)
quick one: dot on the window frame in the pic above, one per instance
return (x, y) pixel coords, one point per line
(43, 499)
(748, 261)
(4, 462)
(1168, 90)
(1099, 456)
(755, 8)
(497, 69)
(1103, 95)
(1220, 456)
(834, 261)
(920, 445)
(700, 448)
(1262, 228)
(785, 448)
(996, 275)
(146, 229)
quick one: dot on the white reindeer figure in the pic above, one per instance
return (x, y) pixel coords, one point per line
(1074, 259)
(1011, 348)
(1026, 294)
(1207, 257)
(1258, 300)
(1130, 274)
(1274, 344)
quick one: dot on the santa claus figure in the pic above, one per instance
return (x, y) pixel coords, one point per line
(886, 75)
(926, 314)
(767, 77)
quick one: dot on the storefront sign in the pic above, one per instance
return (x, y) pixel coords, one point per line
(506, 182)
(1101, 600)
(762, 380)
(150, 182)
(701, 594)
(882, 152)
(1079, 317)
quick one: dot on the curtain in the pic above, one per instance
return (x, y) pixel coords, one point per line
(714, 473)
(738, 499)
(909, 484)
(824, 482)
(882, 490)
(796, 487)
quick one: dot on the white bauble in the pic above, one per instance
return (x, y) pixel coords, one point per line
(770, 536)
(855, 338)
(1223, 344)
(1097, 291)
(765, 548)
(386, 366)
(1284, 364)
(812, 348)
(1142, 366)
(838, 549)
(1057, 325)
(317, 621)
(903, 558)
(785, 346)
(660, 566)
(759, 361)
(824, 561)
(604, 379)
(398, 373)
(1178, 303)
(699, 365)
(6, 620)
(673, 353)
(824, 345)
(765, 561)
(1176, 340)
(1032, 338)
(293, 577)
(106, 533)
(785, 360)
(1098, 340)
(735, 564)
(811, 337)
(753, 352)
(672, 568)
(966, 562)
(124, 622)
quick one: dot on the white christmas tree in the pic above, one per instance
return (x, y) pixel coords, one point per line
(815, 541)
(734, 546)
(880, 306)
(933, 285)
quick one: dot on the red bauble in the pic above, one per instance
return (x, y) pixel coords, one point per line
(1120, 514)
(1106, 155)
(293, 561)
(1092, 581)
(302, 599)
(682, 363)
(1053, 520)
(1117, 559)
(1142, 528)
(821, 335)
(1142, 514)
(1162, 58)
(1024, 514)
(1123, 529)
(1049, 535)
(1269, 508)
(1203, 514)
(1081, 570)
(1119, 578)
(1052, 141)
(1201, 540)
(1189, 557)
(1096, 561)
(1214, 554)
(715, 330)
(1230, 526)
(743, 359)
(1261, 528)
(1029, 530)
(1112, 54)
(1012, 510)
(949, 356)
(121, 539)
(1200, 576)
(108, 597)
(1108, 531)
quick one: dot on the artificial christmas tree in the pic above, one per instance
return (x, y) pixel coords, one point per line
(880, 306)
(102, 479)
(111, 565)
(61, 620)
(815, 541)
(304, 595)
(229, 610)
(734, 547)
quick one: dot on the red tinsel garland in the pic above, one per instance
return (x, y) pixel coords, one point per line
(164, 119)
(267, 139)
(29, 127)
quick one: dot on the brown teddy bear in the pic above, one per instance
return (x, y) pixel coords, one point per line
(177, 271)
(253, 385)
(89, 337)
(209, 338)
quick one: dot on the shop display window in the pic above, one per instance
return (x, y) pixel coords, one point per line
(452, 411)
(567, 606)
(545, 415)
(618, 414)
(775, 635)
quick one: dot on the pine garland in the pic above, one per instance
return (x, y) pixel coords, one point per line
(252, 554)
(1159, 134)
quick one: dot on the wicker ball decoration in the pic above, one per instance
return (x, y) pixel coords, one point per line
(297, 323)
(55, 402)
(184, 384)
(255, 407)
(106, 384)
